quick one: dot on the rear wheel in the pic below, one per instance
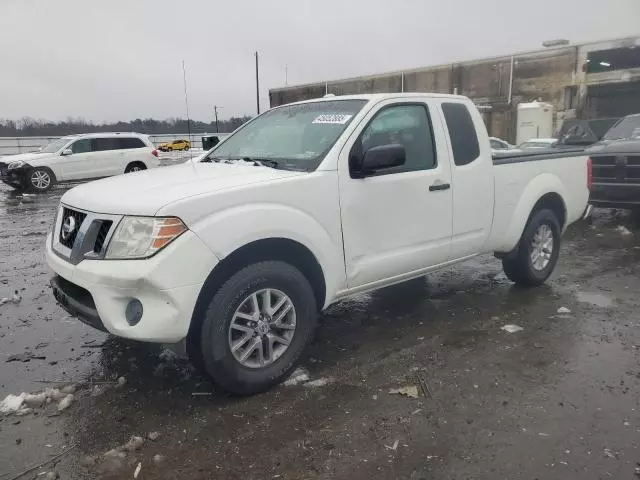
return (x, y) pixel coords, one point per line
(256, 327)
(537, 253)
(41, 179)
(135, 167)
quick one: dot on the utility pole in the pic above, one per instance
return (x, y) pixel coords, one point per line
(186, 99)
(257, 86)
(286, 74)
(215, 112)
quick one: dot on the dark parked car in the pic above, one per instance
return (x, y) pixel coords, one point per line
(616, 166)
(577, 132)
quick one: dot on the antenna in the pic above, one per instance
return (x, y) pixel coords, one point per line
(257, 86)
(186, 99)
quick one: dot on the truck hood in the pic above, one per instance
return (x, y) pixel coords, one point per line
(146, 192)
(605, 147)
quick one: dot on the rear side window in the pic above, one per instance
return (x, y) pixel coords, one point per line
(102, 144)
(462, 131)
(130, 142)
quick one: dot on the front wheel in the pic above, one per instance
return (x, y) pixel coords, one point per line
(537, 253)
(257, 326)
(41, 179)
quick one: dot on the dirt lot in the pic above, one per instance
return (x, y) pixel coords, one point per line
(557, 400)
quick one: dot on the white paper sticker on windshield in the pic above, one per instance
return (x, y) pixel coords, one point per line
(336, 118)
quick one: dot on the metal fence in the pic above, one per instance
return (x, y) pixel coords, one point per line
(14, 145)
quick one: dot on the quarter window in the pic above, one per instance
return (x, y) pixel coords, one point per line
(130, 142)
(462, 132)
(407, 125)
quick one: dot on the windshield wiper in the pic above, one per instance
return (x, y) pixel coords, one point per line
(264, 162)
(214, 159)
(258, 162)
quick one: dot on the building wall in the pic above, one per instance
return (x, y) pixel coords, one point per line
(553, 75)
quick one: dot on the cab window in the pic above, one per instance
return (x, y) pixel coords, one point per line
(407, 125)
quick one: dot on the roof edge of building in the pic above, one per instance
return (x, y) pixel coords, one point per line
(550, 51)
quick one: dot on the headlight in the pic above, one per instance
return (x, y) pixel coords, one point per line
(142, 237)
(16, 164)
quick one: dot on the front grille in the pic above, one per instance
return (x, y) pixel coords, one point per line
(616, 169)
(103, 231)
(78, 218)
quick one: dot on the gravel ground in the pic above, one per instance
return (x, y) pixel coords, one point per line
(557, 400)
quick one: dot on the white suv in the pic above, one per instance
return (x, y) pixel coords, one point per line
(79, 157)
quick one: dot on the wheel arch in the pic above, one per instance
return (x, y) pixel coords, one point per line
(282, 249)
(135, 162)
(545, 191)
(554, 202)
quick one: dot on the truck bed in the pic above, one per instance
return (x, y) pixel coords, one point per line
(525, 177)
(503, 158)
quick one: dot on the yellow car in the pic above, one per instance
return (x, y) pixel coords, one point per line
(175, 145)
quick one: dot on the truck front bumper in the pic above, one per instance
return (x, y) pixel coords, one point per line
(621, 195)
(166, 286)
(16, 177)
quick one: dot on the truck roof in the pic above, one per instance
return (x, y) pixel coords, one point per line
(380, 96)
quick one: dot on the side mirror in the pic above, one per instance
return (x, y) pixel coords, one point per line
(66, 151)
(381, 157)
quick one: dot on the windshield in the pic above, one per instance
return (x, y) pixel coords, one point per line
(628, 127)
(294, 137)
(54, 146)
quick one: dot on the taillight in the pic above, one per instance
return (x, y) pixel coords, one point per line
(589, 173)
(154, 153)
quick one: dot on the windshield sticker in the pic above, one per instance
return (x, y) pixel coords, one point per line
(339, 119)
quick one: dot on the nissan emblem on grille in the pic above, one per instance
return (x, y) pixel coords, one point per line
(68, 227)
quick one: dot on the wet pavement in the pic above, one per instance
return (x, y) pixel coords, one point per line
(557, 400)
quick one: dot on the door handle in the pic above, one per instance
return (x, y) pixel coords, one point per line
(439, 186)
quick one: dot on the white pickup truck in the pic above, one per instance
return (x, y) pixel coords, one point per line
(235, 255)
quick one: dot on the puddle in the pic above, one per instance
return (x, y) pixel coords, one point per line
(597, 299)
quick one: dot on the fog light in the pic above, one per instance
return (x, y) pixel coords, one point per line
(133, 313)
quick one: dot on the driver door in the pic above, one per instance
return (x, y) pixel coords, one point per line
(395, 223)
(79, 164)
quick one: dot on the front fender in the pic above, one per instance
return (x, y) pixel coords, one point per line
(232, 228)
(541, 185)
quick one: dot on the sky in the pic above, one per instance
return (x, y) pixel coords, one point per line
(122, 59)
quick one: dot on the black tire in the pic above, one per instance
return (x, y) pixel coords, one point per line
(135, 167)
(40, 180)
(519, 266)
(186, 148)
(215, 351)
